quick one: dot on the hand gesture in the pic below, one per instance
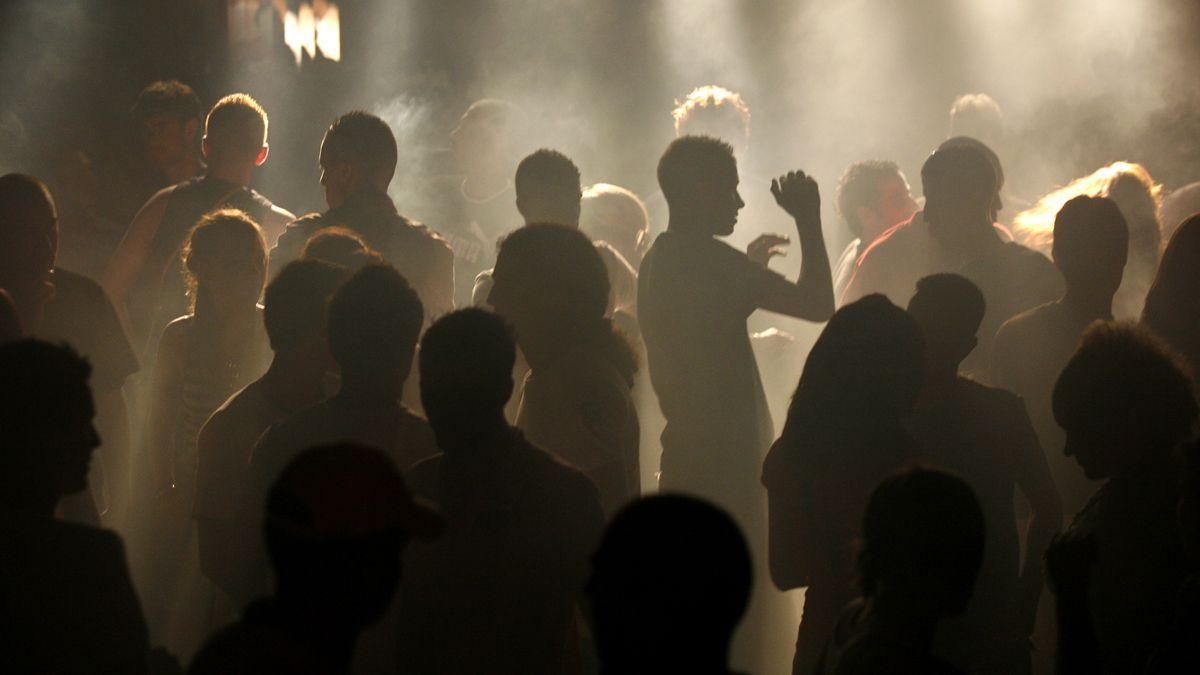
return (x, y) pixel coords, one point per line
(765, 247)
(797, 193)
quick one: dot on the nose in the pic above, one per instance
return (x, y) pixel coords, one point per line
(740, 202)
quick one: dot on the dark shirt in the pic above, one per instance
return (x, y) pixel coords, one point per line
(82, 315)
(861, 646)
(262, 642)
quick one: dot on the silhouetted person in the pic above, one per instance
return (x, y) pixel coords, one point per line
(956, 233)
(1126, 405)
(1173, 303)
(923, 539)
(670, 583)
(337, 522)
(843, 435)
(10, 321)
(984, 435)
(69, 604)
(1178, 206)
(616, 216)
(143, 275)
(58, 305)
(342, 247)
(550, 283)
(497, 593)
(294, 309)
(1091, 241)
(169, 116)
(872, 197)
(358, 160)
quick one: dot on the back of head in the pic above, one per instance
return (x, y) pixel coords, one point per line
(235, 129)
(689, 166)
(923, 539)
(340, 246)
(374, 321)
(949, 309)
(1177, 207)
(1091, 244)
(976, 115)
(615, 215)
(959, 183)
(858, 188)
(556, 271)
(548, 188)
(295, 303)
(713, 110)
(167, 98)
(981, 147)
(466, 363)
(365, 142)
(1173, 303)
(1134, 191)
(224, 240)
(28, 230)
(672, 573)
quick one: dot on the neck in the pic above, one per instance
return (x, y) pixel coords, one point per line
(472, 437)
(182, 169)
(233, 173)
(295, 380)
(686, 224)
(386, 385)
(904, 620)
(329, 638)
(1090, 305)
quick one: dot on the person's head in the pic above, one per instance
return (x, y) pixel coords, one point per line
(168, 113)
(28, 236)
(922, 543)
(337, 520)
(617, 216)
(977, 116)
(235, 132)
(670, 582)
(548, 188)
(698, 176)
(374, 321)
(46, 431)
(992, 158)
(872, 196)
(1123, 400)
(295, 306)
(466, 363)
(712, 110)
(949, 309)
(1177, 207)
(960, 191)
(225, 261)
(1173, 302)
(484, 136)
(340, 246)
(358, 152)
(1091, 245)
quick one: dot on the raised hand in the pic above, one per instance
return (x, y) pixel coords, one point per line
(767, 246)
(797, 193)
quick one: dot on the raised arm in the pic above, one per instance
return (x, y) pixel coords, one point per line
(811, 297)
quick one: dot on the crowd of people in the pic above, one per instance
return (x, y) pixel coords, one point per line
(1001, 400)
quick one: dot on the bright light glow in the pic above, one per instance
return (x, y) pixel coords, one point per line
(308, 31)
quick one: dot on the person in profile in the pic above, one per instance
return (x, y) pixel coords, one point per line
(1126, 405)
(550, 283)
(358, 160)
(983, 435)
(844, 433)
(956, 233)
(1091, 243)
(670, 582)
(498, 592)
(337, 521)
(168, 115)
(294, 309)
(70, 605)
(143, 276)
(1173, 303)
(872, 197)
(923, 538)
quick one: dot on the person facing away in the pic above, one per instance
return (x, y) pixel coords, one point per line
(551, 285)
(1091, 243)
(294, 308)
(923, 541)
(616, 216)
(1173, 304)
(670, 582)
(1126, 405)
(956, 233)
(872, 197)
(498, 592)
(844, 433)
(358, 160)
(143, 276)
(55, 304)
(338, 519)
(984, 435)
(69, 603)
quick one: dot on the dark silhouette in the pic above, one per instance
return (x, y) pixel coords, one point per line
(69, 603)
(923, 540)
(552, 286)
(1176, 207)
(168, 114)
(358, 160)
(1125, 405)
(294, 309)
(956, 233)
(1173, 303)
(337, 521)
(340, 246)
(843, 435)
(670, 583)
(498, 592)
(985, 436)
(872, 197)
(1091, 241)
(143, 276)
(10, 321)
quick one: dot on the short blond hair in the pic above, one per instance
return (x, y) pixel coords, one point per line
(611, 209)
(711, 106)
(237, 123)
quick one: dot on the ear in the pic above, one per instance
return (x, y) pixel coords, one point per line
(262, 155)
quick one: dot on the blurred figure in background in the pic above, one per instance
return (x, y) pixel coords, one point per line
(616, 216)
(1173, 303)
(872, 197)
(1177, 207)
(169, 116)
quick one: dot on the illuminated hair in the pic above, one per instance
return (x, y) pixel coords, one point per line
(1034, 227)
(971, 114)
(167, 97)
(237, 124)
(859, 187)
(613, 212)
(227, 233)
(710, 108)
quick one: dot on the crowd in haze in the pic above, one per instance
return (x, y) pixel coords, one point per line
(354, 442)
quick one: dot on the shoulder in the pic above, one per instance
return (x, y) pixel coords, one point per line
(305, 226)
(436, 243)
(67, 282)
(423, 477)
(1026, 323)
(560, 478)
(241, 403)
(895, 238)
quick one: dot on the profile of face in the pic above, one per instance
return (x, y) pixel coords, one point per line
(69, 446)
(1099, 448)
(721, 201)
(168, 139)
(338, 177)
(895, 205)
